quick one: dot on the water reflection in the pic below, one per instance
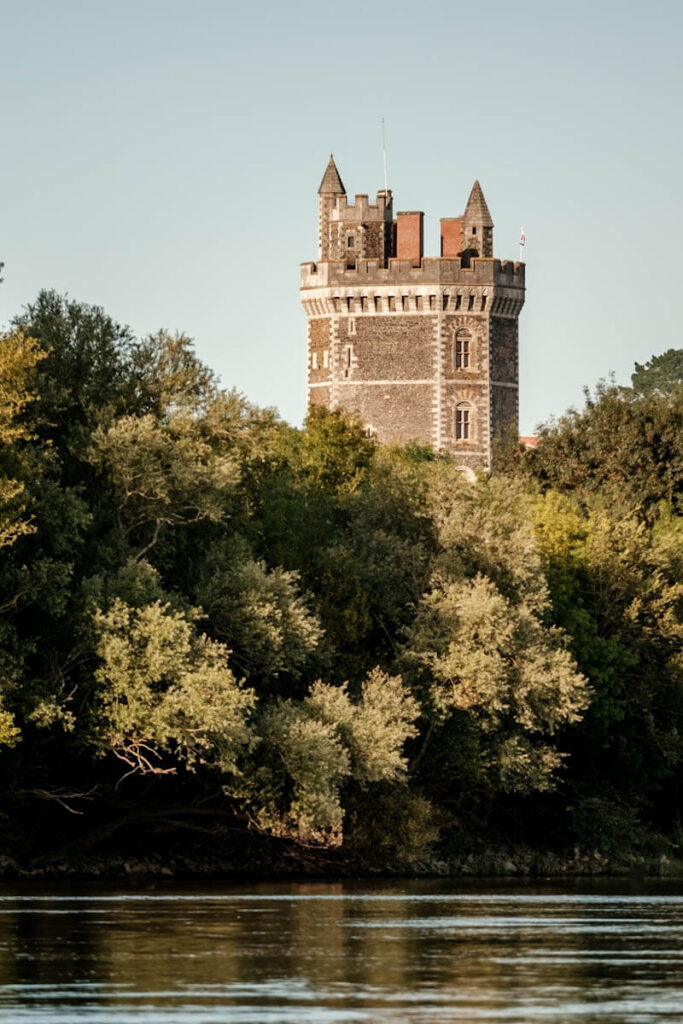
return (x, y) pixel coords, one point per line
(412, 952)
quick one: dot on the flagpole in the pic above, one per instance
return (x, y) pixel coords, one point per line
(522, 242)
(384, 157)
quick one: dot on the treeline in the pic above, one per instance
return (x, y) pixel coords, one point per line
(213, 621)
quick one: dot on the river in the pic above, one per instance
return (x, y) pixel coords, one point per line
(336, 953)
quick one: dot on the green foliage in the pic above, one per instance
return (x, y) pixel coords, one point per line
(259, 612)
(617, 589)
(86, 369)
(495, 663)
(315, 746)
(164, 474)
(605, 824)
(487, 528)
(162, 689)
(19, 355)
(181, 570)
(167, 377)
(9, 733)
(400, 826)
(479, 649)
(332, 452)
(660, 375)
(375, 729)
(625, 447)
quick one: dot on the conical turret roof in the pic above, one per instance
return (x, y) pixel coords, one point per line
(477, 209)
(331, 182)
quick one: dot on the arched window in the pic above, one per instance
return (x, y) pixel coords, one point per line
(463, 422)
(462, 349)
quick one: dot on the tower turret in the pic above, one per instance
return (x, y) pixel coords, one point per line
(352, 231)
(331, 188)
(477, 225)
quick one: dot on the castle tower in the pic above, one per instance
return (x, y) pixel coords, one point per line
(421, 348)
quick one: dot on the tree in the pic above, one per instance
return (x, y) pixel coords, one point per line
(627, 447)
(503, 672)
(19, 355)
(660, 375)
(167, 376)
(86, 372)
(489, 672)
(163, 689)
(333, 450)
(312, 749)
(164, 474)
(258, 612)
(616, 586)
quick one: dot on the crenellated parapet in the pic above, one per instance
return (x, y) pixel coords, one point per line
(432, 271)
(361, 209)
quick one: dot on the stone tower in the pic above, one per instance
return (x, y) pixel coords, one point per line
(421, 348)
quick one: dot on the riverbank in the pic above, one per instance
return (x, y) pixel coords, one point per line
(494, 862)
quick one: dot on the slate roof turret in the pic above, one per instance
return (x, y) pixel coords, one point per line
(476, 209)
(331, 183)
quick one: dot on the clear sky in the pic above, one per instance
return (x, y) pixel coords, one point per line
(161, 158)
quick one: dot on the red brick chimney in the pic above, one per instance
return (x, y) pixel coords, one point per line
(451, 237)
(410, 237)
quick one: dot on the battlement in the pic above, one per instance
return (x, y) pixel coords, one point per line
(432, 271)
(361, 209)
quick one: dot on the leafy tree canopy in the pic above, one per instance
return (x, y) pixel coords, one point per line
(660, 375)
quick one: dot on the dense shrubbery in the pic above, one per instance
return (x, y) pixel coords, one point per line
(206, 609)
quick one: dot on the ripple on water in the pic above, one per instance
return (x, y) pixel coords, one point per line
(403, 956)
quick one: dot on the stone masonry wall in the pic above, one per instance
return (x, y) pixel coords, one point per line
(388, 347)
(319, 350)
(320, 396)
(504, 350)
(504, 371)
(372, 355)
(397, 413)
(369, 241)
(504, 411)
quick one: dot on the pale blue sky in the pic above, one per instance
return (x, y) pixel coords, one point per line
(161, 158)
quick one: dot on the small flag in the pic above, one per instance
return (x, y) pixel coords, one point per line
(522, 237)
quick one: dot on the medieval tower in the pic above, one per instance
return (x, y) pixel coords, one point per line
(421, 348)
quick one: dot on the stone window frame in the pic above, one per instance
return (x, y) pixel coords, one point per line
(464, 421)
(470, 340)
(351, 242)
(314, 360)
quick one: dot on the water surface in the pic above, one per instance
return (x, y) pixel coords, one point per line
(330, 953)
